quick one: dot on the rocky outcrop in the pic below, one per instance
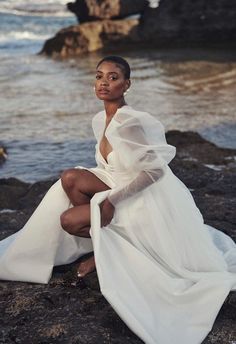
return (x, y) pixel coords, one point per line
(190, 21)
(16, 194)
(89, 37)
(90, 10)
(171, 23)
(68, 310)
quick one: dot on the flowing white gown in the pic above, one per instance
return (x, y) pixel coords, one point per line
(163, 270)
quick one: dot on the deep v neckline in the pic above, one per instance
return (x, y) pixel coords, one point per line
(104, 132)
(106, 160)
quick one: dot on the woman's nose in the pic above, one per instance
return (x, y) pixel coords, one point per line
(104, 81)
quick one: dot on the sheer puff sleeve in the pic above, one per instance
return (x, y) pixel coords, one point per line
(139, 140)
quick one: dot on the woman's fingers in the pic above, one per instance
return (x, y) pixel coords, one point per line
(107, 212)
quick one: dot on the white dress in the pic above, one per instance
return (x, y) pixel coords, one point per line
(163, 270)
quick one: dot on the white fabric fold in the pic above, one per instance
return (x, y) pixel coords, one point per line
(139, 141)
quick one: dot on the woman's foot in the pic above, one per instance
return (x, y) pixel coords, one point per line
(86, 267)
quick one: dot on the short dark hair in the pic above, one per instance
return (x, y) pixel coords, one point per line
(122, 64)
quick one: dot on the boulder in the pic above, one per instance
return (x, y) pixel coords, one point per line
(15, 194)
(12, 190)
(89, 37)
(90, 10)
(190, 145)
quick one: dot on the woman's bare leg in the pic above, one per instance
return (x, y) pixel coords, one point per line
(76, 220)
(80, 186)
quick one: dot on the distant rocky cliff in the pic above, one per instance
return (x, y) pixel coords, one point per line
(104, 23)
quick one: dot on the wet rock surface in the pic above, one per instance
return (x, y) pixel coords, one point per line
(68, 310)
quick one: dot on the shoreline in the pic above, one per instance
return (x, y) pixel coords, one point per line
(207, 170)
(30, 160)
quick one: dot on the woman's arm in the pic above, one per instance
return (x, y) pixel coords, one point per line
(141, 182)
(142, 149)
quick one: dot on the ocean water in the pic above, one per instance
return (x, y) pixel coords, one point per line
(47, 105)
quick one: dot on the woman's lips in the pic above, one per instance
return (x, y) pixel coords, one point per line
(103, 91)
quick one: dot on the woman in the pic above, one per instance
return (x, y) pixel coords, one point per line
(161, 268)
(80, 185)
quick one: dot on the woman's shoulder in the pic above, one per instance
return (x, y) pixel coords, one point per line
(129, 114)
(129, 111)
(98, 114)
(125, 112)
(98, 117)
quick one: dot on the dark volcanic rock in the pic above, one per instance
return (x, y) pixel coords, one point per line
(192, 147)
(210, 173)
(16, 194)
(72, 311)
(11, 191)
(190, 21)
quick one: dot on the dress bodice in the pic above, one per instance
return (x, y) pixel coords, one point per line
(113, 167)
(107, 165)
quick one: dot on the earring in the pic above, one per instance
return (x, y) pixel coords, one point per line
(94, 88)
(125, 93)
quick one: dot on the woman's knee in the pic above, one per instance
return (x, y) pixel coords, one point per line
(69, 178)
(66, 222)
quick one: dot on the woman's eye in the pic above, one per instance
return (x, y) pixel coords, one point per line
(98, 77)
(113, 77)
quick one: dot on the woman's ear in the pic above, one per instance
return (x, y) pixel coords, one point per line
(127, 87)
(128, 84)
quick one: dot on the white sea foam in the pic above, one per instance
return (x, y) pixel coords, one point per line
(4, 211)
(42, 7)
(16, 36)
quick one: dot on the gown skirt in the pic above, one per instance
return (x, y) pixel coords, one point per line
(163, 270)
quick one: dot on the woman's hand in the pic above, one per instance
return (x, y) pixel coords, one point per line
(107, 212)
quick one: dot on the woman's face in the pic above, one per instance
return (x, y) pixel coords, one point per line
(110, 83)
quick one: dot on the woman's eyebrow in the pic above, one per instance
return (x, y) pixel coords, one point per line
(99, 71)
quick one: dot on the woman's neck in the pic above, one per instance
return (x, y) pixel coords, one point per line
(111, 108)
